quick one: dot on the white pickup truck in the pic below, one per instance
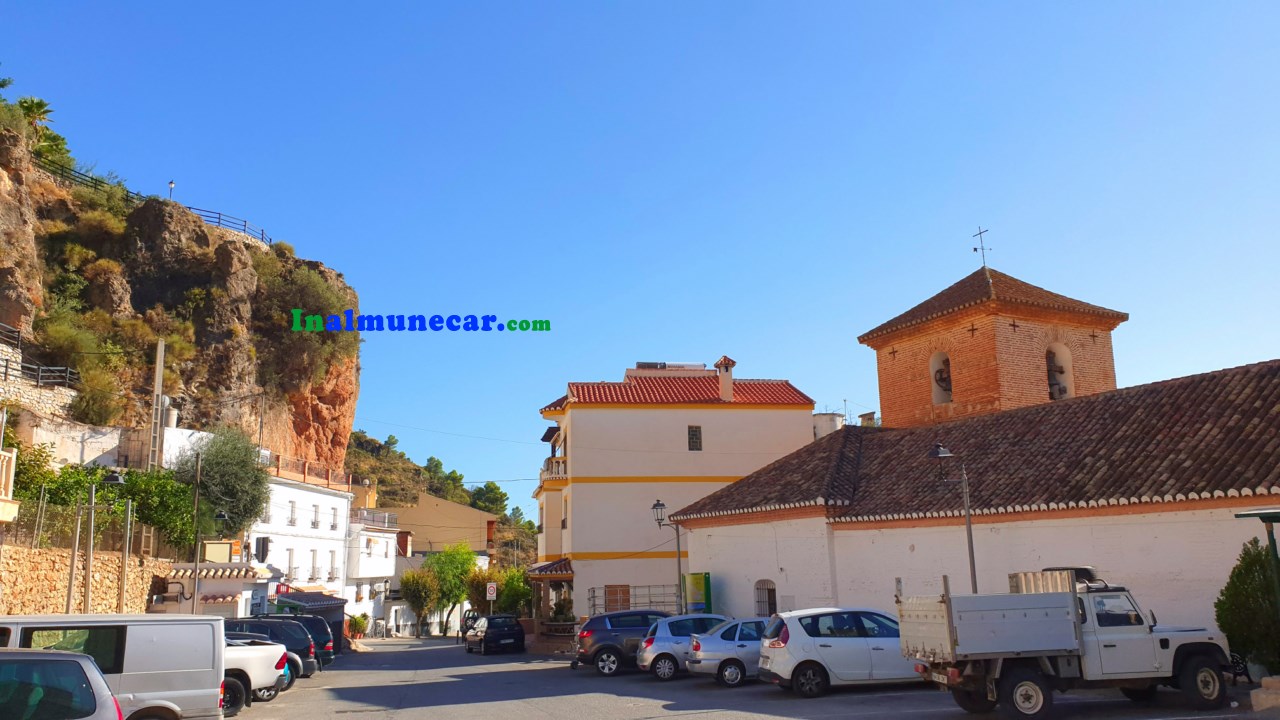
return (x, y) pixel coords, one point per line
(251, 665)
(1055, 630)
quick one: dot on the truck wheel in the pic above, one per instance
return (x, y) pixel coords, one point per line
(1140, 695)
(1024, 693)
(809, 680)
(1201, 681)
(973, 701)
(233, 697)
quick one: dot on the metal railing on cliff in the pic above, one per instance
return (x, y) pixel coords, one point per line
(210, 217)
(39, 374)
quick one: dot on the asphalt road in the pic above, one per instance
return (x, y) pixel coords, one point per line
(417, 680)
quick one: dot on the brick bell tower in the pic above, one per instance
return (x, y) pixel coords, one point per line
(989, 343)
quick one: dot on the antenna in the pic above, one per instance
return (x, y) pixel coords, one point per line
(982, 245)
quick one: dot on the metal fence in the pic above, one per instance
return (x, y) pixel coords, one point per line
(41, 375)
(612, 598)
(210, 217)
(43, 525)
(375, 518)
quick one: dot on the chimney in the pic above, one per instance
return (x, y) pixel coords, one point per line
(867, 419)
(724, 368)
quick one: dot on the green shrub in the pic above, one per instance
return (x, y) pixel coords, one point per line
(98, 226)
(11, 118)
(283, 249)
(102, 269)
(1246, 608)
(192, 301)
(99, 401)
(134, 334)
(67, 290)
(111, 198)
(75, 255)
(64, 342)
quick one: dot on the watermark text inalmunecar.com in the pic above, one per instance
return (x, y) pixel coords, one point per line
(348, 321)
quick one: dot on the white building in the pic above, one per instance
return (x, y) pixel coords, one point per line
(371, 563)
(302, 538)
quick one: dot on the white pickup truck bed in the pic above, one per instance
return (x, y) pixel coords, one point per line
(939, 629)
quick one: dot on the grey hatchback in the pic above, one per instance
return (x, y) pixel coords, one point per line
(609, 641)
(53, 684)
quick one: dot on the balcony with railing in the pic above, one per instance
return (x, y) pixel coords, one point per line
(8, 465)
(554, 468)
(375, 518)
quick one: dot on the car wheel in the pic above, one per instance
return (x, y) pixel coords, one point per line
(607, 662)
(973, 701)
(1140, 695)
(810, 680)
(664, 667)
(233, 697)
(266, 694)
(1201, 681)
(731, 673)
(291, 675)
(1024, 693)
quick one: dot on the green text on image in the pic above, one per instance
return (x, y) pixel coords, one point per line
(349, 321)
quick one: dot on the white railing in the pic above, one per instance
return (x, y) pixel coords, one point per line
(555, 468)
(8, 464)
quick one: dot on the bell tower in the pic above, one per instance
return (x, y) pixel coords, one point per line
(988, 343)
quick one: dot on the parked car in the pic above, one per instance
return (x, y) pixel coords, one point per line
(492, 633)
(666, 645)
(290, 633)
(53, 684)
(253, 669)
(609, 641)
(320, 631)
(808, 651)
(729, 651)
(291, 661)
(157, 665)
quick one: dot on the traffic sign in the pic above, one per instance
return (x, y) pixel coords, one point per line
(491, 591)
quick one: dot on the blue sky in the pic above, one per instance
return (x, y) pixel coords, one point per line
(678, 181)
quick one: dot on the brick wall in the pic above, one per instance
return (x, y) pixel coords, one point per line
(47, 400)
(993, 365)
(34, 581)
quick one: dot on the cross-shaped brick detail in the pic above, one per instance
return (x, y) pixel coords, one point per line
(893, 352)
(973, 329)
(1014, 325)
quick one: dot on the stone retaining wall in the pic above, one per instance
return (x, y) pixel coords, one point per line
(34, 581)
(46, 400)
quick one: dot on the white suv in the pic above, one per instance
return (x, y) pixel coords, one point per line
(811, 650)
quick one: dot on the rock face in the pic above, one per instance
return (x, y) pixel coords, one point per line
(21, 286)
(169, 257)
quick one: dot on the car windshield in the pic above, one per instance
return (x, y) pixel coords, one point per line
(52, 688)
(502, 622)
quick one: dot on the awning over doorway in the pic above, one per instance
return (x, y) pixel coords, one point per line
(310, 601)
(560, 569)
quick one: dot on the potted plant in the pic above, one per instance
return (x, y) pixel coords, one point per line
(358, 626)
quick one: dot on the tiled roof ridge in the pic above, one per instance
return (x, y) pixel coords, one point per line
(918, 314)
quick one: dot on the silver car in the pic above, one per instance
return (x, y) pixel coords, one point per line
(53, 684)
(730, 651)
(666, 646)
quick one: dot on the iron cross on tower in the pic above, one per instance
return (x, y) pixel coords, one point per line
(982, 245)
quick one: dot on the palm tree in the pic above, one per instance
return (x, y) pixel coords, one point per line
(37, 113)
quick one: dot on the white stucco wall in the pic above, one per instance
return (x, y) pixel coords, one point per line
(614, 442)
(303, 538)
(791, 553)
(1174, 563)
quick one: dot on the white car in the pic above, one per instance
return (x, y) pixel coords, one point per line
(811, 650)
(730, 651)
(665, 647)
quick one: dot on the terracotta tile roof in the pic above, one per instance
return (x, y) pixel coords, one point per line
(986, 285)
(557, 405)
(218, 599)
(725, 361)
(215, 571)
(555, 569)
(641, 389)
(1203, 436)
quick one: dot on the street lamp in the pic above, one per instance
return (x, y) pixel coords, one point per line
(170, 189)
(940, 453)
(660, 517)
(112, 478)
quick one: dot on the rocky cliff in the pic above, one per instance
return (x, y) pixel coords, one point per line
(92, 280)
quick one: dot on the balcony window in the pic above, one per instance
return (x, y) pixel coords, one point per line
(695, 437)
(333, 524)
(293, 513)
(315, 517)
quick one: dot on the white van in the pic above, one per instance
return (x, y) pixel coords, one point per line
(159, 667)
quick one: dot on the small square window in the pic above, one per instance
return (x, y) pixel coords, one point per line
(695, 437)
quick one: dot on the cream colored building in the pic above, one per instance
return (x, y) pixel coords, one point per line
(437, 523)
(667, 431)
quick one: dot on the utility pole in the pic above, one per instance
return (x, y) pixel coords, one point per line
(195, 565)
(88, 555)
(124, 553)
(154, 457)
(75, 550)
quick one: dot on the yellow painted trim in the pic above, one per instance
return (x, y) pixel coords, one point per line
(687, 406)
(657, 479)
(553, 414)
(667, 554)
(554, 484)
